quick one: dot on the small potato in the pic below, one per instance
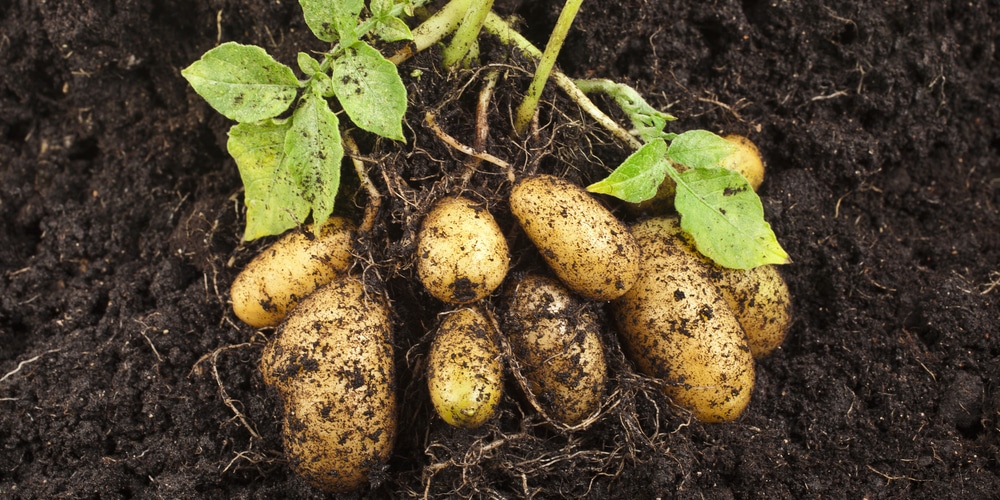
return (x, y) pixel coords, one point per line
(584, 244)
(745, 160)
(331, 362)
(763, 304)
(676, 326)
(289, 270)
(557, 342)
(461, 254)
(464, 373)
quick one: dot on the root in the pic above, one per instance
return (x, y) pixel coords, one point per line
(230, 402)
(374, 197)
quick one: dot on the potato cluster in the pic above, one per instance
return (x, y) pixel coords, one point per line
(680, 319)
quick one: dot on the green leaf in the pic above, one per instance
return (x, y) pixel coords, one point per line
(370, 90)
(243, 82)
(333, 20)
(288, 167)
(725, 218)
(388, 27)
(639, 176)
(307, 64)
(313, 153)
(699, 149)
(647, 122)
(259, 151)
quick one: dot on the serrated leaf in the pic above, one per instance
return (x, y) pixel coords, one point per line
(243, 82)
(333, 20)
(313, 153)
(370, 90)
(725, 218)
(699, 149)
(639, 176)
(259, 151)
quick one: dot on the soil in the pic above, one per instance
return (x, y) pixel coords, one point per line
(123, 373)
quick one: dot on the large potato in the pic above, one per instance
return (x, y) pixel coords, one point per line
(464, 372)
(556, 340)
(289, 270)
(584, 244)
(676, 326)
(461, 254)
(332, 363)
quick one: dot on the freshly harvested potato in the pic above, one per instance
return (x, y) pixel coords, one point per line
(464, 372)
(676, 326)
(745, 160)
(289, 270)
(331, 362)
(584, 244)
(556, 340)
(461, 254)
(762, 303)
(759, 297)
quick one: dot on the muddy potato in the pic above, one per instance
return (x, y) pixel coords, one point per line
(331, 362)
(763, 304)
(759, 297)
(557, 343)
(464, 372)
(289, 270)
(676, 326)
(584, 244)
(461, 254)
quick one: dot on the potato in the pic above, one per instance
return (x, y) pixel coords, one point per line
(584, 244)
(676, 326)
(461, 254)
(331, 362)
(464, 372)
(289, 270)
(762, 303)
(745, 160)
(758, 296)
(556, 340)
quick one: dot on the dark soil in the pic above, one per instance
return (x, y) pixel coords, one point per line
(123, 373)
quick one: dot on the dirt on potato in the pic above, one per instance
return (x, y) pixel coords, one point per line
(124, 374)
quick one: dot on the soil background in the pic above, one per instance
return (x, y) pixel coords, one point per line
(123, 373)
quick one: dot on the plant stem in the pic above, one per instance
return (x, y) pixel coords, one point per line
(467, 33)
(507, 35)
(527, 108)
(435, 28)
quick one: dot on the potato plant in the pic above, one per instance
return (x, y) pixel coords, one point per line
(694, 300)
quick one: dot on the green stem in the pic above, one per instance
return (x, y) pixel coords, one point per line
(467, 33)
(508, 36)
(436, 27)
(527, 108)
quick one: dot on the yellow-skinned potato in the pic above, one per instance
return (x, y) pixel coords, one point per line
(763, 304)
(557, 343)
(464, 372)
(582, 242)
(289, 270)
(461, 254)
(676, 326)
(759, 297)
(745, 159)
(331, 361)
